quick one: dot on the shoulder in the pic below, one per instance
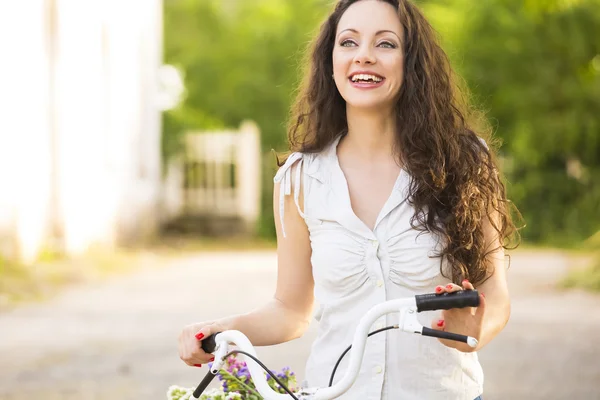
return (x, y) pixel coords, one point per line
(292, 162)
(300, 165)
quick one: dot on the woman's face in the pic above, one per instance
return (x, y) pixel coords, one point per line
(367, 55)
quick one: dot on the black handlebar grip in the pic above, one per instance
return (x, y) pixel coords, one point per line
(445, 335)
(209, 344)
(203, 385)
(446, 301)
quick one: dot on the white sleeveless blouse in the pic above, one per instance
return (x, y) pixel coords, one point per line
(355, 268)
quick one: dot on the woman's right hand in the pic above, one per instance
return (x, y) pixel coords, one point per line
(189, 342)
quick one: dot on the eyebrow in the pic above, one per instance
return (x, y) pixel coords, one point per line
(376, 33)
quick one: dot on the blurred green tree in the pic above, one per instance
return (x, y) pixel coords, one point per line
(535, 65)
(241, 60)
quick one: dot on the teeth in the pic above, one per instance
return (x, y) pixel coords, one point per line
(365, 77)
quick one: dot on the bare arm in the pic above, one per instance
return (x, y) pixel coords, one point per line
(495, 289)
(487, 320)
(287, 315)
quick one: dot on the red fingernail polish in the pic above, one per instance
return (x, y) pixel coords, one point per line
(440, 322)
(212, 359)
(197, 365)
(449, 287)
(483, 294)
(465, 281)
(199, 336)
(438, 289)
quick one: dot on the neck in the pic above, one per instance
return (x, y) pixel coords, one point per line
(371, 133)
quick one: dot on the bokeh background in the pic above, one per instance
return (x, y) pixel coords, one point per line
(136, 169)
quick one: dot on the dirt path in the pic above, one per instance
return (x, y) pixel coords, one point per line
(117, 340)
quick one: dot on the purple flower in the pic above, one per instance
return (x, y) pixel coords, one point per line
(238, 378)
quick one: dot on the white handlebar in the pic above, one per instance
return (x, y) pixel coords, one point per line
(356, 354)
(407, 308)
(358, 346)
(257, 373)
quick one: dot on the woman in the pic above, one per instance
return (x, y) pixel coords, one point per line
(388, 193)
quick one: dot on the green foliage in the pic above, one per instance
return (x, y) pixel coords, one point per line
(241, 61)
(536, 67)
(534, 64)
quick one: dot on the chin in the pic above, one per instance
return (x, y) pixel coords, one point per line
(367, 104)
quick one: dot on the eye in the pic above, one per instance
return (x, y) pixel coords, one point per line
(387, 45)
(347, 43)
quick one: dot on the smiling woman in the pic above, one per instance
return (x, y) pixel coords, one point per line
(389, 192)
(367, 57)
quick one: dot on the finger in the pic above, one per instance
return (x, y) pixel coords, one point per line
(438, 324)
(440, 289)
(185, 349)
(467, 285)
(195, 355)
(191, 364)
(451, 288)
(202, 334)
(205, 332)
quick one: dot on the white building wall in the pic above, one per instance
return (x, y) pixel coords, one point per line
(79, 124)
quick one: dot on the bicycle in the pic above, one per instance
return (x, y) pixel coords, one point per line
(219, 342)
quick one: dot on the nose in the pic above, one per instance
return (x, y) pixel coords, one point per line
(364, 56)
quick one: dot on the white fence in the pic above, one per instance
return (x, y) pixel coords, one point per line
(218, 176)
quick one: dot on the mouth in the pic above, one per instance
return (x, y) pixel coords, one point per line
(366, 79)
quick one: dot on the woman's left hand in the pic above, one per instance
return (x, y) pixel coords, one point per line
(466, 321)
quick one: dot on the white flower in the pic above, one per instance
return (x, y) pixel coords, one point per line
(216, 394)
(179, 393)
(233, 396)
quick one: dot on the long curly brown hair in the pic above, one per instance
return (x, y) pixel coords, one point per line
(455, 185)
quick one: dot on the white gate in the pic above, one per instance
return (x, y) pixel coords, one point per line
(218, 176)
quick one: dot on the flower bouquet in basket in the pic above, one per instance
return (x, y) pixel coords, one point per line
(236, 384)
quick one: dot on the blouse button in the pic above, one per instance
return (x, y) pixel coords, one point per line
(378, 369)
(380, 283)
(374, 243)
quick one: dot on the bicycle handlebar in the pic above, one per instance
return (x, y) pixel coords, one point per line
(446, 301)
(209, 344)
(408, 308)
